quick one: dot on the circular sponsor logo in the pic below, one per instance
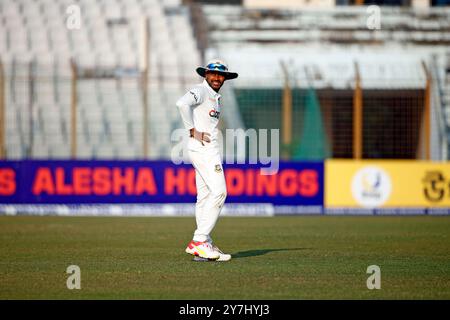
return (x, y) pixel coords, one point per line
(371, 187)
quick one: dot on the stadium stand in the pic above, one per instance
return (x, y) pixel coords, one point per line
(36, 48)
(321, 47)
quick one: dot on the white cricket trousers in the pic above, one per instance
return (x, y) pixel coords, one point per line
(211, 191)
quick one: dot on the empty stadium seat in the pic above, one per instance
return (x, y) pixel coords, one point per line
(43, 46)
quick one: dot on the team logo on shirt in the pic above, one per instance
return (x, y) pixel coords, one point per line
(218, 168)
(214, 113)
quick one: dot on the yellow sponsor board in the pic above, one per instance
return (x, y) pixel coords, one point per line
(387, 184)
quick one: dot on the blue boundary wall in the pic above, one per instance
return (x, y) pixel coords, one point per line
(160, 188)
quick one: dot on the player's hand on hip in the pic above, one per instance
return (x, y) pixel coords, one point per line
(200, 136)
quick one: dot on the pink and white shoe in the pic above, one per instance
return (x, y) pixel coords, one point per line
(202, 249)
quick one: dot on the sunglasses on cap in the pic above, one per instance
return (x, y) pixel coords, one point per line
(216, 66)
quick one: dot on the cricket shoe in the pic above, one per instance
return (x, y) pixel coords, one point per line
(222, 256)
(202, 249)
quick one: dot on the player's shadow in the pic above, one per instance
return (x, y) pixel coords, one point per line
(260, 252)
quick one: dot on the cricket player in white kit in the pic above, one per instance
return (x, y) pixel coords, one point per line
(200, 111)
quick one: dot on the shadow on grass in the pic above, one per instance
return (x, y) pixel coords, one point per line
(260, 252)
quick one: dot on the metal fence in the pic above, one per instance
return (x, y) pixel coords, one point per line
(43, 116)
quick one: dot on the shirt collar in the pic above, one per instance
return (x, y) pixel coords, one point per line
(211, 90)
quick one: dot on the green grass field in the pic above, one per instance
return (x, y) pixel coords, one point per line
(274, 258)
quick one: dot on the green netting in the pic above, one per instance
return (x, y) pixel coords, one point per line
(261, 109)
(313, 144)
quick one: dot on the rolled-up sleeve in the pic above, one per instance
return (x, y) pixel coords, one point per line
(186, 104)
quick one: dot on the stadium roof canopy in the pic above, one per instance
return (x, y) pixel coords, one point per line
(333, 67)
(322, 47)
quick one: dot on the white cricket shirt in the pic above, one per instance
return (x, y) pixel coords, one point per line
(200, 109)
